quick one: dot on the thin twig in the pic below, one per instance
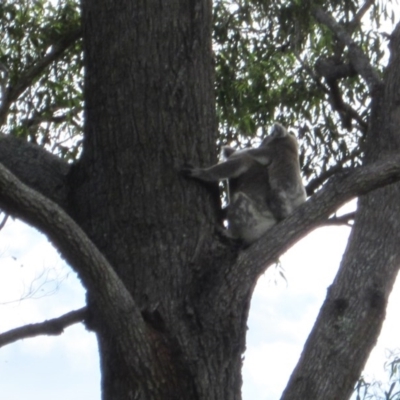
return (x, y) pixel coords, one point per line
(315, 183)
(342, 220)
(53, 326)
(4, 221)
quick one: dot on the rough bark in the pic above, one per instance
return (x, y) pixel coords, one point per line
(167, 299)
(148, 110)
(114, 303)
(36, 168)
(350, 320)
(228, 291)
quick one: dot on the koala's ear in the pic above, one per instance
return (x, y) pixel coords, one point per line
(227, 151)
(278, 130)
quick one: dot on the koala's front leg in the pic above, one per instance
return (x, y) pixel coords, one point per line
(231, 168)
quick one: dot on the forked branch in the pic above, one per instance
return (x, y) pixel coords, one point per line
(239, 279)
(358, 59)
(114, 304)
(317, 209)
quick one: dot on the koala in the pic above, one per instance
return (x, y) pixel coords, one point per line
(282, 158)
(264, 184)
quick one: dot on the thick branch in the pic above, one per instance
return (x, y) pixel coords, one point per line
(53, 326)
(351, 317)
(13, 92)
(36, 167)
(332, 71)
(238, 280)
(316, 210)
(358, 59)
(114, 303)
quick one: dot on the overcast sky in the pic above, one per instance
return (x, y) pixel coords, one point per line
(67, 366)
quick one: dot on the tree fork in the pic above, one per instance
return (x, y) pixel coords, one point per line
(351, 318)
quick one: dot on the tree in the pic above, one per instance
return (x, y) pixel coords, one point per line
(167, 297)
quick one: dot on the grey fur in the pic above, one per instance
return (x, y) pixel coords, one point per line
(264, 183)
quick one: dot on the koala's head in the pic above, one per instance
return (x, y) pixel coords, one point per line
(277, 132)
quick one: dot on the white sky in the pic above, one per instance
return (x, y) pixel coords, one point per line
(66, 366)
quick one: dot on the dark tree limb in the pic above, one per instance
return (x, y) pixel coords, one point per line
(332, 71)
(4, 221)
(3, 79)
(114, 304)
(353, 312)
(36, 167)
(239, 279)
(316, 210)
(235, 283)
(358, 59)
(345, 111)
(27, 78)
(54, 326)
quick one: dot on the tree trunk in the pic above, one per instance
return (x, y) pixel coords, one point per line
(150, 108)
(351, 318)
(167, 298)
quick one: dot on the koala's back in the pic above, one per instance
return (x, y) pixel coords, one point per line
(249, 215)
(254, 182)
(286, 185)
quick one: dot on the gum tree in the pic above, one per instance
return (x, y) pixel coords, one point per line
(167, 298)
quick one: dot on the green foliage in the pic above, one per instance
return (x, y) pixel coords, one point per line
(375, 390)
(266, 55)
(42, 73)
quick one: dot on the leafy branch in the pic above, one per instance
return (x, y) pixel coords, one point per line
(358, 59)
(26, 79)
